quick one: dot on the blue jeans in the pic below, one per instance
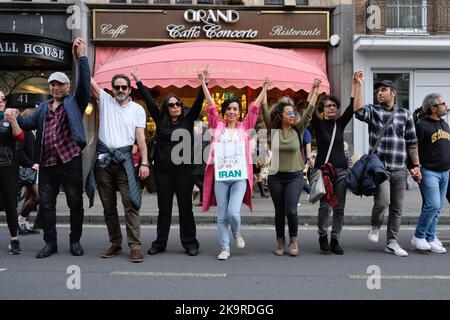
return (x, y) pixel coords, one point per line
(433, 188)
(229, 196)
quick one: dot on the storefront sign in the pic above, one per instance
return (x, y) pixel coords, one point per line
(212, 24)
(33, 49)
(26, 100)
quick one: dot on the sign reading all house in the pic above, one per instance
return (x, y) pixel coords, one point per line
(212, 24)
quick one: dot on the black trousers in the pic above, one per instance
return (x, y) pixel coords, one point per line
(9, 178)
(70, 176)
(181, 185)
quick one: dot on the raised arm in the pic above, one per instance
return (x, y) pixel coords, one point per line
(357, 90)
(196, 108)
(312, 99)
(265, 111)
(203, 75)
(149, 101)
(82, 91)
(95, 89)
(253, 112)
(266, 84)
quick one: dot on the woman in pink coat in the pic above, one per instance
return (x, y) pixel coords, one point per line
(229, 170)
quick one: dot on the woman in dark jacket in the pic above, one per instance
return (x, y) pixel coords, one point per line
(10, 132)
(174, 175)
(323, 129)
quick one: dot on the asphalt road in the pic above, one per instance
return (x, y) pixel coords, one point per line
(251, 273)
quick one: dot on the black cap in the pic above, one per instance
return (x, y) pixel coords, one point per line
(387, 83)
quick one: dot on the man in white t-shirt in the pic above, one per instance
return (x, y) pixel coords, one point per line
(122, 122)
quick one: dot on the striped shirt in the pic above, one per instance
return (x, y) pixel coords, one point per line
(399, 137)
(59, 146)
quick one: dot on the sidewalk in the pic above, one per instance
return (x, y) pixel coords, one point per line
(357, 211)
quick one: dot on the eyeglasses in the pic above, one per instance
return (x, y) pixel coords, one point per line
(291, 113)
(174, 104)
(3, 99)
(442, 104)
(118, 88)
(331, 105)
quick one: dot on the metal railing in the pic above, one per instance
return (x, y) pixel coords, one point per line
(408, 16)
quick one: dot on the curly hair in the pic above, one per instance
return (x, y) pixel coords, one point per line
(276, 114)
(224, 106)
(321, 106)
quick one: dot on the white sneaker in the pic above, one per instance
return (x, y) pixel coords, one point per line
(395, 248)
(420, 244)
(374, 234)
(224, 255)
(435, 247)
(438, 241)
(240, 243)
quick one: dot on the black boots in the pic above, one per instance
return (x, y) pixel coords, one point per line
(261, 190)
(335, 247)
(324, 246)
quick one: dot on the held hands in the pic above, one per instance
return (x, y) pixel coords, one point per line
(144, 172)
(358, 78)
(267, 83)
(35, 166)
(134, 74)
(11, 115)
(79, 48)
(416, 174)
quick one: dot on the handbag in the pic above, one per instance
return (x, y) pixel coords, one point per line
(316, 180)
(27, 175)
(355, 176)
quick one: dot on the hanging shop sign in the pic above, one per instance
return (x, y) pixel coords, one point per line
(33, 49)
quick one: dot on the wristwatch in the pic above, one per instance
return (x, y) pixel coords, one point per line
(416, 166)
(145, 164)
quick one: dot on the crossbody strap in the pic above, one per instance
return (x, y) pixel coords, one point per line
(331, 143)
(383, 132)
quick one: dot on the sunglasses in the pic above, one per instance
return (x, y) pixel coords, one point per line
(291, 113)
(3, 99)
(174, 104)
(331, 105)
(118, 88)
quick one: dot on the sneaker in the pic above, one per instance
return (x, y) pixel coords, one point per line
(374, 234)
(22, 230)
(420, 244)
(394, 248)
(435, 247)
(240, 243)
(438, 241)
(30, 229)
(224, 255)
(14, 247)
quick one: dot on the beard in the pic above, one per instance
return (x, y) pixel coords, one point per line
(121, 97)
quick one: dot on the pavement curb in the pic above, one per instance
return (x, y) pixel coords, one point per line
(245, 220)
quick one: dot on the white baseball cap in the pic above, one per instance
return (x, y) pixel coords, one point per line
(58, 76)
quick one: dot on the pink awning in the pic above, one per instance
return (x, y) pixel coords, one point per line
(230, 64)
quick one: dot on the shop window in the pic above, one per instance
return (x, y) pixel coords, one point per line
(139, 1)
(408, 16)
(183, 1)
(118, 1)
(205, 1)
(402, 81)
(161, 1)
